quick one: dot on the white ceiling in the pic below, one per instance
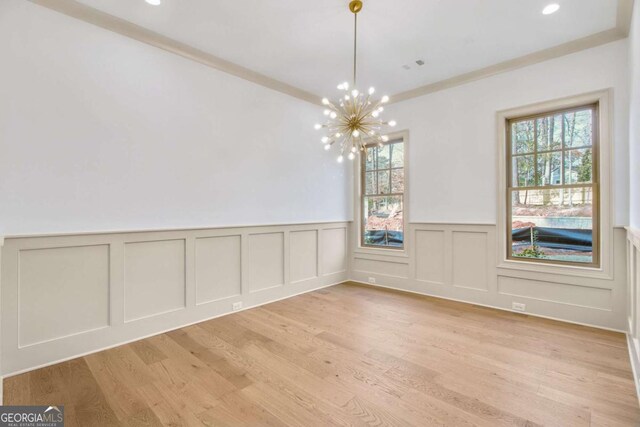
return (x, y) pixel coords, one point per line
(308, 43)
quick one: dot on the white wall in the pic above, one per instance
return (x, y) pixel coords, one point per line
(634, 117)
(453, 133)
(100, 132)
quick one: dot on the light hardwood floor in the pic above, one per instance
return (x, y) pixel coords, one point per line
(350, 355)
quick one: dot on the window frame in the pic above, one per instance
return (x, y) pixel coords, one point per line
(602, 168)
(594, 184)
(360, 192)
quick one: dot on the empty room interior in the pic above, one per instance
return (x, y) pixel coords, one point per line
(319, 213)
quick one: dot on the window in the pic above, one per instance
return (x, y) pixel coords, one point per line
(552, 187)
(382, 200)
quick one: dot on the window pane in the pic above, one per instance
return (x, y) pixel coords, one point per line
(383, 221)
(371, 159)
(523, 172)
(554, 224)
(370, 183)
(383, 182)
(397, 155)
(578, 129)
(383, 157)
(522, 137)
(549, 168)
(578, 166)
(549, 133)
(397, 181)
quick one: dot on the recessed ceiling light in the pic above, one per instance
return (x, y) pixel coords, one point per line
(154, 2)
(550, 8)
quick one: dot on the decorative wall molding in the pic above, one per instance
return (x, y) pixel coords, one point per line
(624, 15)
(568, 48)
(123, 27)
(68, 295)
(459, 262)
(633, 301)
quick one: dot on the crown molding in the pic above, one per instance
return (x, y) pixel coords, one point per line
(620, 31)
(513, 64)
(123, 27)
(625, 13)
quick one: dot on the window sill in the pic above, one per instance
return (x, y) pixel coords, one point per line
(397, 253)
(561, 270)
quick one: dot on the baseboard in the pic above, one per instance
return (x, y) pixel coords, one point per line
(486, 305)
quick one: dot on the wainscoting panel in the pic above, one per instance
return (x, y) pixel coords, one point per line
(77, 296)
(69, 295)
(633, 306)
(154, 278)
(392, 269)
(580, 296)
(334, 250)
(304, 255)
(459, 262)
(218, 268)
(266, 261)
(470, 249)
(635, 277)
(430, 257)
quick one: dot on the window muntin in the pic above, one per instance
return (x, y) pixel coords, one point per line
(552, 195)
(382, 196)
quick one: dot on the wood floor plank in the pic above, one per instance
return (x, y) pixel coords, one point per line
(219, 364)
(86, 397)
(145, 418)
(250, 412)
(169, 410)
(147, 352)
(123, 399)
(17, 390)
(349, 355)
(287, 407)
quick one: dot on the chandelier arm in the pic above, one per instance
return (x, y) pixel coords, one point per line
(360, 108)
(367, 111)
(344, 144)
(366, 102)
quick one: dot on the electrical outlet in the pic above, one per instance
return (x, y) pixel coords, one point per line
(372, 280)
(237, 305)
(518, 306)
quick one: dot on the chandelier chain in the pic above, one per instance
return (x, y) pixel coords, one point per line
(355, 48)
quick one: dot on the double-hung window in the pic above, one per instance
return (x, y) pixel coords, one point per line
(553, 188)
(382, 195)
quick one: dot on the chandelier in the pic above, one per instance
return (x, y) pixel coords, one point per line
(353, 121)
